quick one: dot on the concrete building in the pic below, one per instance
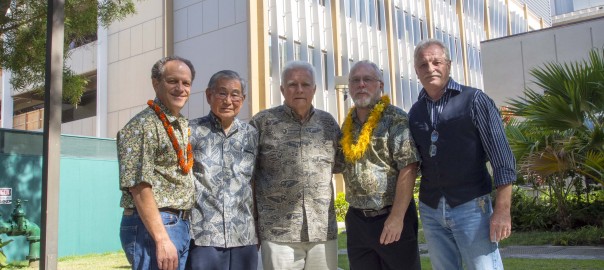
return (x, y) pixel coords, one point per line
(560, 7)
(507, 61)
(255, 38)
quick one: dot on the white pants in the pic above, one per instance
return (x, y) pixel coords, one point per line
(301, 255)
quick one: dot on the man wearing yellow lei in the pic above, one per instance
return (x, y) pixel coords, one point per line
(380, 167)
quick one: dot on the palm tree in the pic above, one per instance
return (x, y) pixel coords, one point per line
(558, 136)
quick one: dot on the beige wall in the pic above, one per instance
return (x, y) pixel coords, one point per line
(134, 44)
(507, 61)
(137, 42)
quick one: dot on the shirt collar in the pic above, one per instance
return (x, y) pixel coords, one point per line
(451, 85)
(216, 123)
(289, 111)
(167, 112)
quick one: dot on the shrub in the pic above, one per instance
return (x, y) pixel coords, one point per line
(588, 235)
(341, 206)
(534, 213)
(530, 213)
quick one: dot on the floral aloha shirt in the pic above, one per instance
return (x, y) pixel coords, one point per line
(223, 215)
(293, 177)
(371, 180)
(145, 154)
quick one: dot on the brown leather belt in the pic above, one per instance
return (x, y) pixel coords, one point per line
(372, 212)
(182, 214)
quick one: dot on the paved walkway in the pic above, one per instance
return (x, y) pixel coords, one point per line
(541, 252)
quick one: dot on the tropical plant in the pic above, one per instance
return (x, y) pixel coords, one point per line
(557, 133)
(23, 43)
(341, 206)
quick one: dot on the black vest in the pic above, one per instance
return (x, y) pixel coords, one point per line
(458, 171)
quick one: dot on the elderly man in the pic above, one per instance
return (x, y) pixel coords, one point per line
(155, 161)
(380, 169)
(222, 224)
(294, 193)
(458, 129)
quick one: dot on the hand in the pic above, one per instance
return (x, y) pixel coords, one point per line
(393, 227)
(501, 225)
(167, 256)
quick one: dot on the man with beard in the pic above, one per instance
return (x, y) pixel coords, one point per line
(380, 167)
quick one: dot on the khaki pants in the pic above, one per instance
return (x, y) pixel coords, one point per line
(301, 255)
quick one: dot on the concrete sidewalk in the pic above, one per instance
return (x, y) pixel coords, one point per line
(554, 252)
(540, 252)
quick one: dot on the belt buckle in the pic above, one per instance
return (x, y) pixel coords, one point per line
(185, 214)
(128, 211)
(368, 212)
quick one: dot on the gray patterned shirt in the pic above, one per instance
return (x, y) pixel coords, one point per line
(296, 159)
(223, 215)
(371, 180)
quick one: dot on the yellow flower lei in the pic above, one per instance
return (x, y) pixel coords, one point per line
(353, 152)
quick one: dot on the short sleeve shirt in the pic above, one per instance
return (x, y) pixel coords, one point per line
(146, 155)
(371, 180)
(223, 215)
(293, 176)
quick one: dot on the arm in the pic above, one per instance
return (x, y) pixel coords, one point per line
(135, 155)
(492, 135)
(393, 227)
(501, 220)
(167, 257)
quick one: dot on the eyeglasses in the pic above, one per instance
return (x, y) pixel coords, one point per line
(433, 139)
(235, 97)
(367, 80)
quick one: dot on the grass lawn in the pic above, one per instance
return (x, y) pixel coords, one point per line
(117, 260)
(526, 238)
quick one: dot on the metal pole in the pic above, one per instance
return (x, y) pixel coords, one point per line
(52, 133)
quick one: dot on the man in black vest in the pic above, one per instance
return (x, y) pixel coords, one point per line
(457, 129)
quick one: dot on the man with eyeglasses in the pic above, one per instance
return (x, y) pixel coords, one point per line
(380, 166)
(294, 193)
(457, 129)
(223, 230)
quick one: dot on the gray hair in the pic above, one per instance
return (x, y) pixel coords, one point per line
(376, 69)
(422, 45)
(293, 65)
(229, 75)
(157, 71)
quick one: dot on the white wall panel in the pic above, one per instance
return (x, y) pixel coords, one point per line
(210, 16)
(181, 25)
(503, 76)
(148, 35)
(195, 20)
(136, 39)
(226, 13)
(224, 49)
(124, 44)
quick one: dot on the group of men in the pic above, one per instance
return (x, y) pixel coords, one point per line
(209, 192)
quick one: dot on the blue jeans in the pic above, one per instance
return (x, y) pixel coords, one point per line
(460, 235)
(140, 247)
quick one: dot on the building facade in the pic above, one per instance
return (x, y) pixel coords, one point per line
(560, 7)
(508, 61)
(256, 38)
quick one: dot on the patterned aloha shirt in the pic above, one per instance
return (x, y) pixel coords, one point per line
(145, 154)
(371, 181)
(293, 175)
(224, 163)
